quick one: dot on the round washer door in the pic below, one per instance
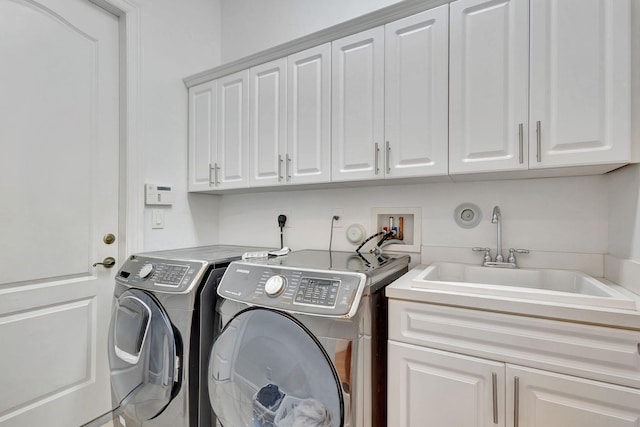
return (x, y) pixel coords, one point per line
(267, 370)
(142, 355)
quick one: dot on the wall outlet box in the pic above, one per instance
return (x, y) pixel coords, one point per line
(409, 220)
(158, 195)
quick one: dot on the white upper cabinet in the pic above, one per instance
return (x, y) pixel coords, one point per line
(489, 67)
(308, 156)
(580, 82)
(268, 119)
(416, 95)
(202, 135)
(290, 138)
(230, 169)
(358, 106)
(518, 88)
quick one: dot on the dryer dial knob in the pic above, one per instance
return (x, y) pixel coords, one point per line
(146, 271)
(275, 285)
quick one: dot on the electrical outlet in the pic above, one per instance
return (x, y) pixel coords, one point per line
(339, 212)
(284, 212)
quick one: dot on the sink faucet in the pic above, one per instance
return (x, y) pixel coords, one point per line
(496, 218)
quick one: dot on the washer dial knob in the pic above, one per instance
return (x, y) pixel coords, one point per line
(146, 271)
(275, 285)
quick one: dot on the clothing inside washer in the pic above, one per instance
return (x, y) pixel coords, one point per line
(266, 370)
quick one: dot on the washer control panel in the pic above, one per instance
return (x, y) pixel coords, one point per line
(319, 292)
(160, 274)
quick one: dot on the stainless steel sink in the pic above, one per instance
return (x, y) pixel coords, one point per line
(563, 286)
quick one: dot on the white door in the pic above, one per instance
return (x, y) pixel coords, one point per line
(358, 106)
(59, 180)
(416, 95)
(202, 135)
(488, 72)
(554, 400)
(309, 115)
(268, 119)
(580, 82)
(438, 388)
(232, 154)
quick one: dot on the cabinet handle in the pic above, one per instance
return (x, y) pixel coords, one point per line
(377, 153)
(494, 382)
(516, 399)
(280, 167)
(287, 168)
(387, 157)
(521, 142)
(211, 169)
(215, 173)
(539, 140)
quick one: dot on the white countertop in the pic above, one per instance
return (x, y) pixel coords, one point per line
(628, 319)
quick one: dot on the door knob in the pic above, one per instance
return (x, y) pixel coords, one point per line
(108, 262)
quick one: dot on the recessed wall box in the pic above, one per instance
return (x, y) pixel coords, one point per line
(406, 223)
(158, 194)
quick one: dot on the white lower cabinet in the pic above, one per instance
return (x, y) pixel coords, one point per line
(539, 398)
(428, 387)
(478, 384)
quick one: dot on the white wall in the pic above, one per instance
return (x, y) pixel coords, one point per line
(555, 214)
(624, 213)
(250, 26)
(178, 38)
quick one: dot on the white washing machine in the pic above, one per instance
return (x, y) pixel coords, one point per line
(161, 331)
(303, 341)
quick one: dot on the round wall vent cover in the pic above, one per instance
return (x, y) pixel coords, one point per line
(467, 215)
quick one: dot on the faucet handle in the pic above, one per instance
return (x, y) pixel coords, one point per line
(487, 253)
(512, 252)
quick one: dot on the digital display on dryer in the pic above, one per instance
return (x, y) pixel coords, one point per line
(315, 291)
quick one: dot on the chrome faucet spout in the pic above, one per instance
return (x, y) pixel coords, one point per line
(496, 218)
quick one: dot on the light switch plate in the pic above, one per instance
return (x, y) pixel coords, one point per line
(157, 218)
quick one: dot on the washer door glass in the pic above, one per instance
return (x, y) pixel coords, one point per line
(142, 355)
(267, 370)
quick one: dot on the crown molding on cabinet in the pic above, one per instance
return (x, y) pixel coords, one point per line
(379, 17)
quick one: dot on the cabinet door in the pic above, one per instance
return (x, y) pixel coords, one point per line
(233, 131)
(309, 111)
(429, 387)
(555, 400)
(580, 82)
(268, 118)
(416, 94)
(358, 106)
(202, 135)
(488, 85)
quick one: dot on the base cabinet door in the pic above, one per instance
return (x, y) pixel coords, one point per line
(429, 387)
(539, 398)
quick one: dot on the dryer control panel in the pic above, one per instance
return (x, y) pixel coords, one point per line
(327, 293)
(161, 275)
